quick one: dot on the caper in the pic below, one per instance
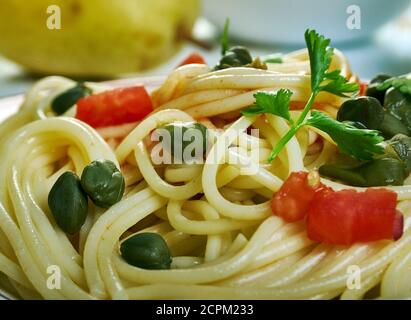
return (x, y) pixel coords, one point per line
(384, 172)
(378, 172)
(185, 141)
(400, 147)
(237, 56)
(369, 112)
(372, 87)
(391, 126)
(242, 54)
(146, 251)
(69, 98)
(393, 97)
(365, 110)
(68, 203)
(344, 173)
(398, 105)
(103, 182)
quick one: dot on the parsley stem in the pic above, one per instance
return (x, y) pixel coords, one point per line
(294, 128)
(307, 107)
(283, 141)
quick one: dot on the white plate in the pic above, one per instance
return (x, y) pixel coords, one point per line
(10, 105)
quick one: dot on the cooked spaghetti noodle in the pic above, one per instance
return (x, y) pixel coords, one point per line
(216, 219)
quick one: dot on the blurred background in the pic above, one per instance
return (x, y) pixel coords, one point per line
(105, 39)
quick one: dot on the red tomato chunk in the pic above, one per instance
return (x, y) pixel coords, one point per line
(339, 217)
(293, 199)
(363, 88)
(193, 58)
(114, 107)
(347, 216)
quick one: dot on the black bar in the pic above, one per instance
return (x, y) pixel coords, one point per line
(217, 309)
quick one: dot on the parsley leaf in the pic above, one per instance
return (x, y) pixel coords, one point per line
(402, 83)
(225, 40)
(320, 59)
(274, 103)
(273, 58)
(340, 86)
(359, 143)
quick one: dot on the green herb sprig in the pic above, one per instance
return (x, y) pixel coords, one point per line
(359, 143)
(273, 58)
(225, 39)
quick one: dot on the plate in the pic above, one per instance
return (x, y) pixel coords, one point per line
(10, 105)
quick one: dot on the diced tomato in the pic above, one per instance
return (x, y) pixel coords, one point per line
(339, 217)
(361, 85)
(114, 107)
(195, 57)
(363, 88)
(293, 199)
(346, 217)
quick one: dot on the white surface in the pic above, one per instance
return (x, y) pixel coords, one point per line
(283, 21)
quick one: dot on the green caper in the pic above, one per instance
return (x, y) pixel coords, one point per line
(344, 173)
(230, 60)
(393, 97)
(391, 126)
(378, 172)
(103, 182)
(242, 54)
(372, 87)
(146, 251)
(68, 203)
(384, 172)
(237, 56)
(369, 112)
(398, 105)
(69, 98)
(365, 110)
(400, 147)
(185, 141)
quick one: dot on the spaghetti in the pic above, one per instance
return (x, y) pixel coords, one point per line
(215, 218)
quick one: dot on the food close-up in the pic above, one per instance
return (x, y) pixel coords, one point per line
(156, 150)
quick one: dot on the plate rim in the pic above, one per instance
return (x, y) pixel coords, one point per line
(14, 101)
